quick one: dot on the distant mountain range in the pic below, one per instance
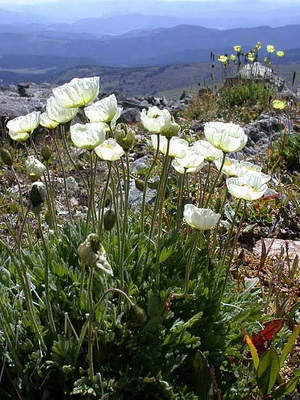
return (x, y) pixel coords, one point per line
(38, 43)
(162, 46)
(113, 20)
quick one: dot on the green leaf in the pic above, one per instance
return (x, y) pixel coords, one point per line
(165, 253)
(268, 371)
(289, 345)
(202, 376)
(286, 388)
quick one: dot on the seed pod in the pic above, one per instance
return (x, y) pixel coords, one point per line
(109, 219)
(6, 156)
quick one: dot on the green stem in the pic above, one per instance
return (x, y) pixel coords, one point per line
(212, 189)
(64, 177)
(101, 206)
(9, 335)
(119, 263)
(50, 194)
(202, 197)
(47, 270)
(223, 262)
(180, 199)
(66, 146)
(233, 247)
(22, 273)
(147, 177)
(125, 219)
(188, 266)
(91, 205)
(90, 323)
(96, 306)
(161, 188)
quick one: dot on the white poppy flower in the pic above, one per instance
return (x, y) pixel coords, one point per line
(20, 128)
(209, 151)
(77, 93)
(60, 114)
(34, 168)
(200, 218)
(192, 162)
(105, 110)
(227, 137)
(87, 136)
(247, 187)
(109, 150)
(155, 120)
(178, 147)
(229, 167)
(47, 122)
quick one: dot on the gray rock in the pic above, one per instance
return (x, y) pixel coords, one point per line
(257, 71)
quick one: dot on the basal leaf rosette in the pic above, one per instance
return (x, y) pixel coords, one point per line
(200, 218)
(248, 187)
(227, 137)
(87, 136)
(79, 92)
(20, 128)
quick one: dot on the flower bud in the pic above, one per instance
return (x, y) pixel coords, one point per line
(37, 196)
(92, 253)
(138, 315)
(46, 153)
(34, 168)
(124, 136)
(6, 156)
(109, 219)
(139, 184)
(172, 129)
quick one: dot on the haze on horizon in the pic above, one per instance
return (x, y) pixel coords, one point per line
(33, 2)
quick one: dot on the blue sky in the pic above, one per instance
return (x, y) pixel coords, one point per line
(54, 1)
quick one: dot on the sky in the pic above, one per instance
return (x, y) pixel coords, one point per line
(23, 2)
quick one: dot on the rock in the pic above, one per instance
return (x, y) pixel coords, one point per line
(257, 71)
(130, 115)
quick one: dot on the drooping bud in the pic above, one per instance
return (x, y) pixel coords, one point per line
(37, 196)
(124, 136)
(46, 153)
(138, 315)
(139, 184)
(6, 156)
(92, 253)
(109, 219)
